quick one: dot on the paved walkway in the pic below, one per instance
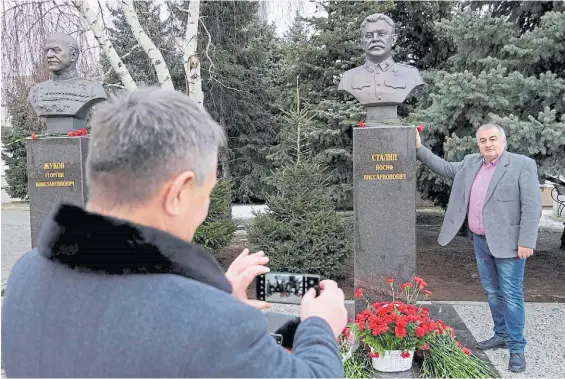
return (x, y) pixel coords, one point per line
(544, 331)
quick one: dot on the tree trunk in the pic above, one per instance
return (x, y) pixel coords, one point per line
(105, 44)
(225, 162)
(161, 68)
(190, 57)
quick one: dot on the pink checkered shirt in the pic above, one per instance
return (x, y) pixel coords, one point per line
(478, 197)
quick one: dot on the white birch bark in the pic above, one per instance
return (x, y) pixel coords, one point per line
(100, 34)
(190, 58)
(161, 68)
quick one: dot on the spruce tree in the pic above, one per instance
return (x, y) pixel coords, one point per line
(23, 122)
(217, 230)
(236, 52)
(301, 229)
(501, 74)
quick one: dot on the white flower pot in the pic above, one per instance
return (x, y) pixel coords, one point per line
(392, 361)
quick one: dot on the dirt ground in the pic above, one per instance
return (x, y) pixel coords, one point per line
(451, 271)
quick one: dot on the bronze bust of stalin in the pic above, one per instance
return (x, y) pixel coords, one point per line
(380, 84)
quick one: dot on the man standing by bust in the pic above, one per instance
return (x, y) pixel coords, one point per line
(66, 99)
(499, 193)
(380, 82)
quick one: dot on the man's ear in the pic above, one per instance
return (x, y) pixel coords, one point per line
(177, 189)
(394, 38)
(74, 54)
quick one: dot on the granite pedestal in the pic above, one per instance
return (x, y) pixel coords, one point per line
(384, 183)
(56, 173)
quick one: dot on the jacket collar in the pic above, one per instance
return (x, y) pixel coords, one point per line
(91, 242)
(384, 65)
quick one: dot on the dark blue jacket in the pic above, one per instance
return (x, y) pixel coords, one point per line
(102, 297)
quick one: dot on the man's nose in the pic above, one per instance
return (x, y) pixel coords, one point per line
(50, 53)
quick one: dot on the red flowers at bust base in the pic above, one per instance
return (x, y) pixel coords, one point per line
(77, 133)
(359, 293)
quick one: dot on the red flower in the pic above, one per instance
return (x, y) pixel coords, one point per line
(420, 128)
(405, 355)
(420, 331)
(70, 134)
(428, 292)
(33, 136)
(374, 355)
(359, 293)
(83, 131)
(361, 124)
(420, 282)
(400, 331)
(466, 351)
(406, 285)
(390, 280)
(426, 346)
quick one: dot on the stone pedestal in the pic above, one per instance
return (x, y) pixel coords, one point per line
(56, 173)
(384, 184)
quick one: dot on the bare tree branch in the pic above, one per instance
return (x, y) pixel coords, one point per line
(213, 68)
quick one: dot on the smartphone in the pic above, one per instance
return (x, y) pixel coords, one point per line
(278, 338)
(284, 287)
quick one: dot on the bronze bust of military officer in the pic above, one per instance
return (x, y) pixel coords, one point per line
(66, 99)
(380, 84)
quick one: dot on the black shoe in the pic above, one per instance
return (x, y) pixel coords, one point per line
(517, 362)
(493, 343)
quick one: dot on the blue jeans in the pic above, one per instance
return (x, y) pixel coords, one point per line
(503, 281)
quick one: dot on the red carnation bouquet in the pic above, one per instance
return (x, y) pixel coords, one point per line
(390, 333)
(395, 325)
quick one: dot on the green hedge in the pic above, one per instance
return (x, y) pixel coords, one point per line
(218, 229)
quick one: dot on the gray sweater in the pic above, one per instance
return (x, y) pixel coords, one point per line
(101, 297)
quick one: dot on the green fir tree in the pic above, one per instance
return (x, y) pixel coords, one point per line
(502, 74)
(301, 229)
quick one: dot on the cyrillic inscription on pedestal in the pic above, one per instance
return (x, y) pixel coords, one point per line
(55, 169)
(384, 169)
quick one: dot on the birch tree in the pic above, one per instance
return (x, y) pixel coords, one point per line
(100, 34)
(190, 58)
(161, 68)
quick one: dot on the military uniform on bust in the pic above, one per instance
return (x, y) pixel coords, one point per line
(66, 99)
(386, 83)
(380, 84)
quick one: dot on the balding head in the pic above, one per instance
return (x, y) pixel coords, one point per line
(62, 53)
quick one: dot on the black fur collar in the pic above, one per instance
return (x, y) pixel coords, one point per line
(92, 242)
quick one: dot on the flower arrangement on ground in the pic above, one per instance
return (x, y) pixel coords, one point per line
(392, 331)
(389, 334)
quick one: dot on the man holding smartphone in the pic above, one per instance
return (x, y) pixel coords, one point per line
(118, 290)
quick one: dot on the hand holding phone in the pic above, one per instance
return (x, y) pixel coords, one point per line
(284, 287)
(329, 305)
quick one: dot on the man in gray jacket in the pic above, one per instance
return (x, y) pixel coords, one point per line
(118, 290)
(499, 193)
